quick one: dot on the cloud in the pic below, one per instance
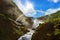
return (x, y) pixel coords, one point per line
(50, 11)
(55, 1)
(27, 9)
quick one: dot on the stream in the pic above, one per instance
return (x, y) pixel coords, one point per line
(28, 35)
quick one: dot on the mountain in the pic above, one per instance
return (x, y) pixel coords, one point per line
(50, 30)
(50, 17)
(9, 8)
(9, 27)
(27, 21)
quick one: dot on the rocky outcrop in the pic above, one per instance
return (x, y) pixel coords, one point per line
(48, 31)
(9, 8)
(27, 21)
(9, 30)
(9, 12)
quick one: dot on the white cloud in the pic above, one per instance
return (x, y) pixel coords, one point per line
(55, 1)
(50, 11)
(27, 9)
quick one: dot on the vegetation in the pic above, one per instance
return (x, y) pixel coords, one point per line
(52, 17)
(9, 30)
(50, 30)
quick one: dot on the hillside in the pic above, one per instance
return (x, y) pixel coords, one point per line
(9, 29)
(50, 30)
(9, 8)
(50, 17)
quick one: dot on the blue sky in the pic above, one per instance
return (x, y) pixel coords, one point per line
(38, 8)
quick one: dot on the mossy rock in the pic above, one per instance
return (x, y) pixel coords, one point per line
(8, 30)
(48, 31)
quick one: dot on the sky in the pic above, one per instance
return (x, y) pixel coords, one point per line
(38, 8)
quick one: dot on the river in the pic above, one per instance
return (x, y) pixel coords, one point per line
(28, 35)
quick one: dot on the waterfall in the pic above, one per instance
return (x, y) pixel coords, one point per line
(36, 23)
(28, 35)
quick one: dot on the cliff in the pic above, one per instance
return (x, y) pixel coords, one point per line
(9, 12)
(9, 8)
(50, 30)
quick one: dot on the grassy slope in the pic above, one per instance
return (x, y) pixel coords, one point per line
(50, 30)
(51, 16)
(8, 30)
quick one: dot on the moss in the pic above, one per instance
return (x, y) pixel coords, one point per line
(48, 31)
(57, 31)
(24, 29)
(18, 32)
(8, 31)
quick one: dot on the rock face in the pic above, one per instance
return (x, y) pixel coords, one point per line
(9, 8)
(43, 33)
(25, 21)
(50, 30)
(8, 29)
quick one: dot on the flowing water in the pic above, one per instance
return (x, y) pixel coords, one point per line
(28, 35)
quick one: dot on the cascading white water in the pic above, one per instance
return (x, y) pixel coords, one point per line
(36, 23)
(28, 35)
